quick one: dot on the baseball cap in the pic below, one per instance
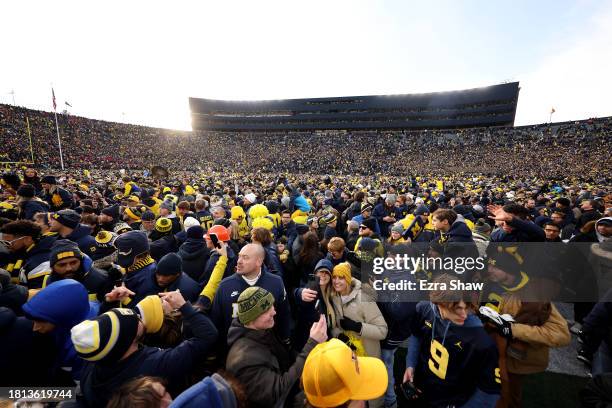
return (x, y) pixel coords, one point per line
(333, 375)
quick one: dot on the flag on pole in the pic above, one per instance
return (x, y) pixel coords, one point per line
(54, 103)
(67, 104)
(552, 110)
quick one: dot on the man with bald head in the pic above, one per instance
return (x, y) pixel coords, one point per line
(250, 271)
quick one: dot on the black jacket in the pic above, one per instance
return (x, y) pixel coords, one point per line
(163, 246)
(194, 255)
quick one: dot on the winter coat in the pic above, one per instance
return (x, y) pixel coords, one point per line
(27, 357)
(381, 211)
(194, 255)
(138, 281)
(397, 309)
(272, 261)
(65, 304)
(81, 235)
(163, 246)
(95, 280)
(225, 306)
(232, 259)
(262, 363)
(101, 379)
(524, 231)
(360, 307)
(597, 326)
(36, 264)
(187, 286)
(31, 207)
(553, 333)
(289, 231)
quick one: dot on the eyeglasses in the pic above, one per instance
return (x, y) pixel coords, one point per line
(9, 243)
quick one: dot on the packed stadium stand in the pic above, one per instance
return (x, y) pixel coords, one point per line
(489, 106)
(91, 143)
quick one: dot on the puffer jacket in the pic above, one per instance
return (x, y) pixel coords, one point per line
(361, 307)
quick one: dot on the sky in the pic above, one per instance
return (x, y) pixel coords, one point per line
(139, 61)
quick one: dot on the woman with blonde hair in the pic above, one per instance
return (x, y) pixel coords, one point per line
(358, 317)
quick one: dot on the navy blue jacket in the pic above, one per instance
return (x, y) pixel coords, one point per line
(138, 281)
(26, 357)
(31, 207)
(397, 308)
(81, 236)
(232, 259)
(272, 261)
(188, 287)
(524, 231)
(468, 376)
(597, 326)
(225, 306)
(289, 231)
(381, 211)
(99, 380)
(37, 256)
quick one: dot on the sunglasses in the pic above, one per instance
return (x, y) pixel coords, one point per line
(363, 227)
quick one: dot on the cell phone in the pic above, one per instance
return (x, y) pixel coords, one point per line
(215, 240)
(409, 391)
(313, 282)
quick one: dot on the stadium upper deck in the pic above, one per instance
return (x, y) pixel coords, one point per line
(488, 106)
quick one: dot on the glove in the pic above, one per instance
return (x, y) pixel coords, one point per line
(349, 324)
(502, 323)
(505, 329)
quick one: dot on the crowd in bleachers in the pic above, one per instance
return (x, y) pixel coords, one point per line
(540, 151)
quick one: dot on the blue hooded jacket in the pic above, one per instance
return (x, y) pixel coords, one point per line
(65, 304)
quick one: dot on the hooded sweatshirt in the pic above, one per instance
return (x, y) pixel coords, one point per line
(194, 255)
